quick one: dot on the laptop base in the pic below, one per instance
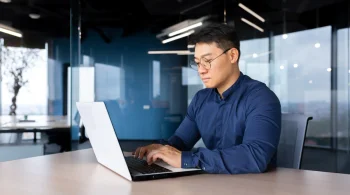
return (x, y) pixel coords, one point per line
(165, 175)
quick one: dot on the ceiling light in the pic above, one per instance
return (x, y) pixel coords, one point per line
(329, 69)
(10, 31)
(264, 53)
(5, 1)
(317, 45)
(251, 12)
(284, 36)
(186, 53)
(310, 81)
(252, 24)
(295, 65)
(34, 16)
(177, 37)
(255, 55)
(190, 46)
(185, 29)
(170, 52)
(183, 26)
(282, 67)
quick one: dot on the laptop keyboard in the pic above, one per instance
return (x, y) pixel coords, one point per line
(142, 166)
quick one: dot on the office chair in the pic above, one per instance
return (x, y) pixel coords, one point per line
(199, 143)
(290, 148)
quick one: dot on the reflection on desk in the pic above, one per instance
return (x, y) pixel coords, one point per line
(79, 173)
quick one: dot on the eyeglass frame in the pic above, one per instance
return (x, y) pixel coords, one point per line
(210, 61)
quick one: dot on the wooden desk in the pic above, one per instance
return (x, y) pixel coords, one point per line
(79, 173)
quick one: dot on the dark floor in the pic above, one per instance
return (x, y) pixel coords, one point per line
(326, 160)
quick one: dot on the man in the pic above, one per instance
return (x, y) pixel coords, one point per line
(238, 118)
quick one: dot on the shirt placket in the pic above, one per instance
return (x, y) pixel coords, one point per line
(218, 125)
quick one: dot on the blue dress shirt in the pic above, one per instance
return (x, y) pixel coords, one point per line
(241, 131)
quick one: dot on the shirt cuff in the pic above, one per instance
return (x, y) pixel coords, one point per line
(164, 142)
(187, 159)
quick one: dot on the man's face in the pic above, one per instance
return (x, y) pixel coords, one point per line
(220, 69)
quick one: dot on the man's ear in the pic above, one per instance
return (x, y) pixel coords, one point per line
(234, 53)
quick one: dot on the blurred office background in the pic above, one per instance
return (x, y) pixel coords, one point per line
(119, 52)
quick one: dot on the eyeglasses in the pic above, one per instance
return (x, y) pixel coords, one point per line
(205, 62)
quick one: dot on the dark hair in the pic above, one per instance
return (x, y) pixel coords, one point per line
(223, 35)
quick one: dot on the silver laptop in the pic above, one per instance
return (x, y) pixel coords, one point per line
(109, 153)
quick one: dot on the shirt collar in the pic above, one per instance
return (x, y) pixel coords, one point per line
(232, 89)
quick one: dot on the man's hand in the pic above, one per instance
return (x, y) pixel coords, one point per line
(145, 150)
(168, 154)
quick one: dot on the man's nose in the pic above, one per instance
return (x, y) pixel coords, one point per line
(202, 70)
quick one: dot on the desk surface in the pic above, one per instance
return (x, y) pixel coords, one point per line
(79, 173)
(40, 122)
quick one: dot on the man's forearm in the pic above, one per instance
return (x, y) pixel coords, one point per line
(175, 142)
(244, 158)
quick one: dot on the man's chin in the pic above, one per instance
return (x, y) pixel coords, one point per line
(207, 85)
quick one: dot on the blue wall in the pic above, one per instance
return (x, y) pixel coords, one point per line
(59, 54)
(129, 117)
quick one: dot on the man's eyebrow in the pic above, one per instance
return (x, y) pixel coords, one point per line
(207, 54)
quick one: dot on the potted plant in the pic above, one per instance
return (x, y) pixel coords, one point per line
(15, 62)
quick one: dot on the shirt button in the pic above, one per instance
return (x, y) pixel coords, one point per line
(203, 168)
(186, 164)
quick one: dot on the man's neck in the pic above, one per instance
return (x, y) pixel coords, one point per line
(228, 83)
